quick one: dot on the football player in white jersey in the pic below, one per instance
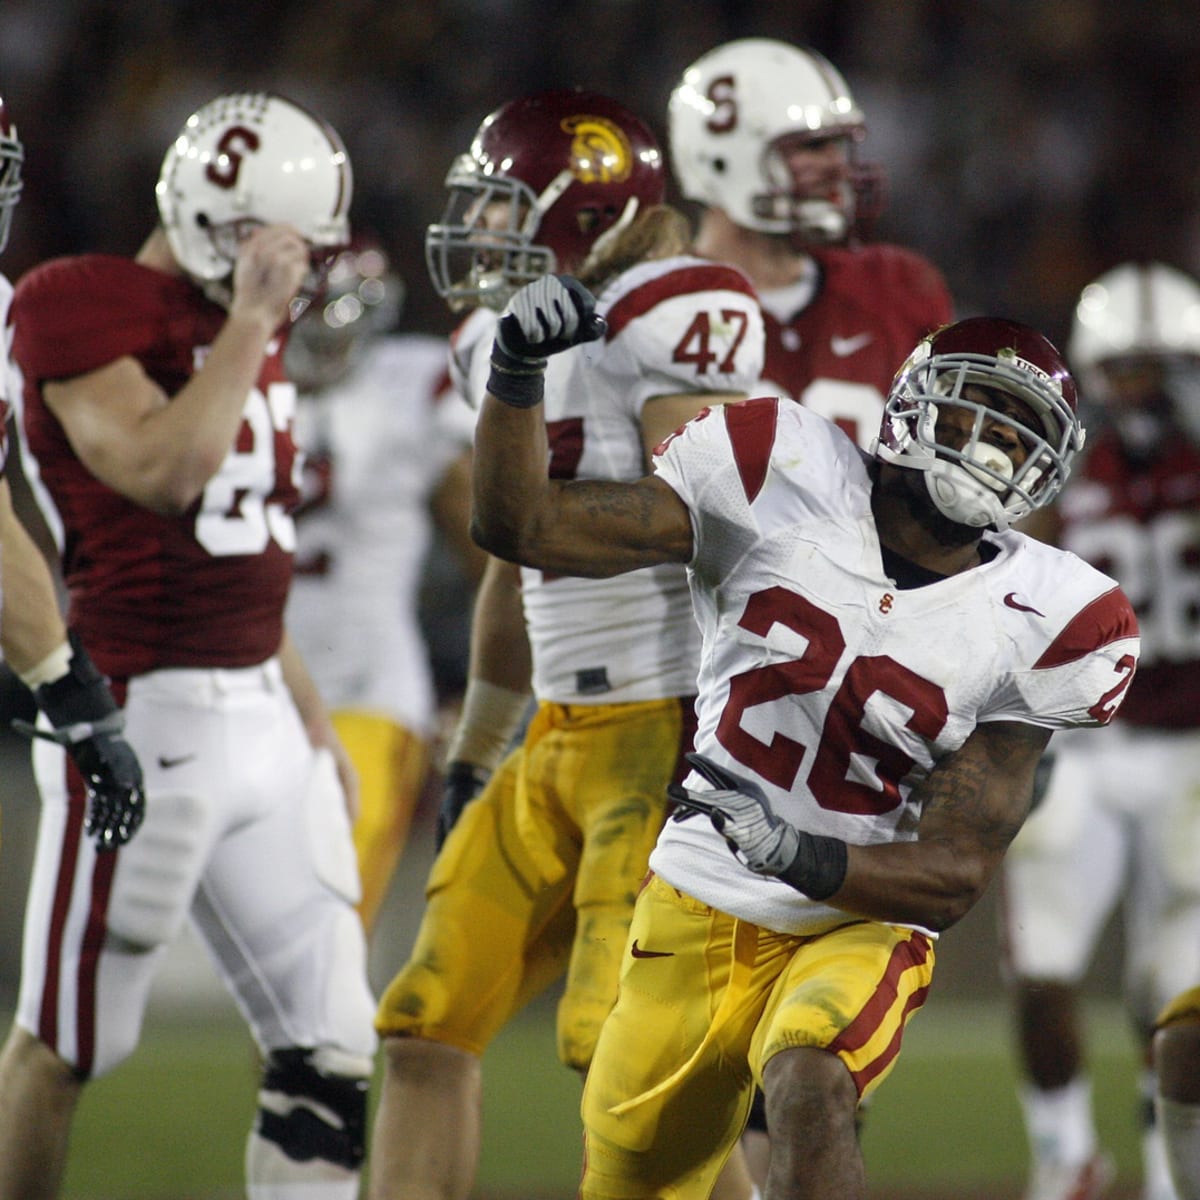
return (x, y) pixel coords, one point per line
(883, 664)
(537, 876)
(68, 688)
(1120, 821)
(766, 138)
(387, 466)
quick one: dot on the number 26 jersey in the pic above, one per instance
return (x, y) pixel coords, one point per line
(838, 691)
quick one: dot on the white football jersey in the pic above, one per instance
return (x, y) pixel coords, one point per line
(676, 326)
(834, 689)
(376, 446)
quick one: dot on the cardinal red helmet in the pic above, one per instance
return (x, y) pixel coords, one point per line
(12, 155)
(976, 484)
(546, 178)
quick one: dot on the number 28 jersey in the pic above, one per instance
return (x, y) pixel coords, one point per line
(202, 589)
(834, 689)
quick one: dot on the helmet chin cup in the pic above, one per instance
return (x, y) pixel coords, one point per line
(821, 222)
(965, 496)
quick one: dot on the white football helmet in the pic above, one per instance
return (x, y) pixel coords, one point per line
(1135, 346)
(12, 155)
(975, 484)
(727, 116)
(250, 159)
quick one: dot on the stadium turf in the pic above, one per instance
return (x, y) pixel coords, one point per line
(171, 1123)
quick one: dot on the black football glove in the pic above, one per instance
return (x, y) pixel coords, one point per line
(88, 723)
(463, 782)
(545, 317)
(759, 838)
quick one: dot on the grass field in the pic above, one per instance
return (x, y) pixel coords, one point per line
(170, 1124)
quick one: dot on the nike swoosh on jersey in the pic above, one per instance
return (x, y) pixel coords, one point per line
(167, 763)
(638, 952)
(843, 347)
(1013, 601)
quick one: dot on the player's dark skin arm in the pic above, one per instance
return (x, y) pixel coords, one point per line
(972, 806)
(593, 528)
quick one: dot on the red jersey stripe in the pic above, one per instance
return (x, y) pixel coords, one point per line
(751, 425)
(912, 953)
(707, 277)
(1107, 619)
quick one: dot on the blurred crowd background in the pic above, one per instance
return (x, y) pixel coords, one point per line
(1030, 144)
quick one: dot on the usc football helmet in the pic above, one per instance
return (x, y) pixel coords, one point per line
(1135, 345)
(12, 156)
(734, 115)
(362, 297)
(547, 178)
(249, 159)
(975, 483)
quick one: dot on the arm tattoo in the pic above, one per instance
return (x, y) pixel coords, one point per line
(600, 500)
(988, 789)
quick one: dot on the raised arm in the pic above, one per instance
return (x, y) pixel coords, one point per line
(572, 527)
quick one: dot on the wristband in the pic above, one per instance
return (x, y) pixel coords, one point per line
(517, 382)
(490, 717)
(54, 666)
(819, 868)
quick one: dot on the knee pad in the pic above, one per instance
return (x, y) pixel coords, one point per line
(313, 1105)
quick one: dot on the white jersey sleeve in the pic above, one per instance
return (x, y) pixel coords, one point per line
(681, 326)
(470, 355)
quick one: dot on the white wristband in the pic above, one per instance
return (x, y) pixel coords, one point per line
(490, 717)
(54, 666)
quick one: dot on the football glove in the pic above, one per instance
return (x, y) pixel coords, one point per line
(545, 317)
(759, 838)
(463, 782)
(88, 723)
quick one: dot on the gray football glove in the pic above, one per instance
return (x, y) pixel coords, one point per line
(759, 838)
(545, 317)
